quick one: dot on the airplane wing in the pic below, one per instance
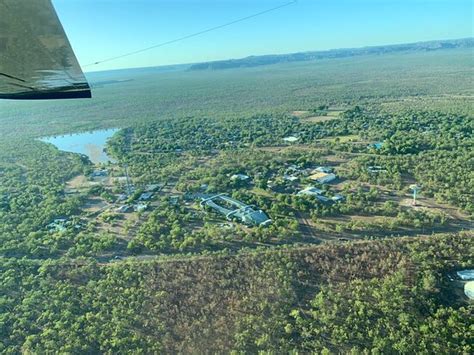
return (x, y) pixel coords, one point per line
(36, 59)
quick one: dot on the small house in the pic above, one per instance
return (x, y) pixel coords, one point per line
(241, 177)
(290, 139)
(323, 178)
(290, 177)
(469, 289)
(145, 196)
(322, 169)
(310, 191)
(140, 207)
(124, 209)
(152, 187)
(99, 173)
(375, 169)
(465, 275)
(376, 145)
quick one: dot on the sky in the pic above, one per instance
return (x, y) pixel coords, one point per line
(100, 29)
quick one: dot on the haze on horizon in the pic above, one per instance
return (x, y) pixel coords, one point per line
(99, 29)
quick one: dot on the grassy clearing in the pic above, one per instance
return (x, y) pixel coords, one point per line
(342, 139)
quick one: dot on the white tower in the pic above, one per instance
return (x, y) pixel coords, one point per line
(415, 188)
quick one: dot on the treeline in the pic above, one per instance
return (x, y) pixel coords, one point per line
(434, 149)
(389, 296)
(155, 95)
(32, 182)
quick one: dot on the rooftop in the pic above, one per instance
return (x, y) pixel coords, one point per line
(323, 177)
(290, 139)
(259, 217)
(310, 190)
(98, 173)
(240, 177)
(376, 145)
(152, 187)
(469, 289)
(139, 207)
(123, 209)
(466, 274)
(145, 196)
(322, 169)
(232, 208)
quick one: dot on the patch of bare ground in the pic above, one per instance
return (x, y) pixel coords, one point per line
(80, 183)
(316, 119)
(94, 204)
(273, 149)
(283, 148)
(299, 113)
(334, 159)
(77, 182)
(429, 204)
(306, 227)
(352, 138)
(321, 231)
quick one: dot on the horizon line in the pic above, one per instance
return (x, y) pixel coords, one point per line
(278, 54)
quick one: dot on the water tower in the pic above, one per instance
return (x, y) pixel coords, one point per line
(415, 188)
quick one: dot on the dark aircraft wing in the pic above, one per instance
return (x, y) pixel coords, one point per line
(36, 59)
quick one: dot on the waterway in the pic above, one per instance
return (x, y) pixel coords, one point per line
(91, 144)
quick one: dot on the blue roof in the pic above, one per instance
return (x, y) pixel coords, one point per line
(466, 274)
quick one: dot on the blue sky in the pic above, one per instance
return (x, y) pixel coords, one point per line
(100, 29)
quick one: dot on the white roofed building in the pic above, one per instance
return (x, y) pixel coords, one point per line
(241, 177)
(310, 191)
(290, 139)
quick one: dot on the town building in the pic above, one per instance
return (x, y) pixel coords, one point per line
(241, 177)
(153, 187)
(145, 196)
(124, 209)
(310, 191)
(319, 194)
(467, 276)
(234, 209)
(323, 178)
(58, 225)
(290, 139)
(99, 173)
(140, 207)
(469, 289)
(290, 177)
(322, 169)
(373, 169)
(337, 198)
